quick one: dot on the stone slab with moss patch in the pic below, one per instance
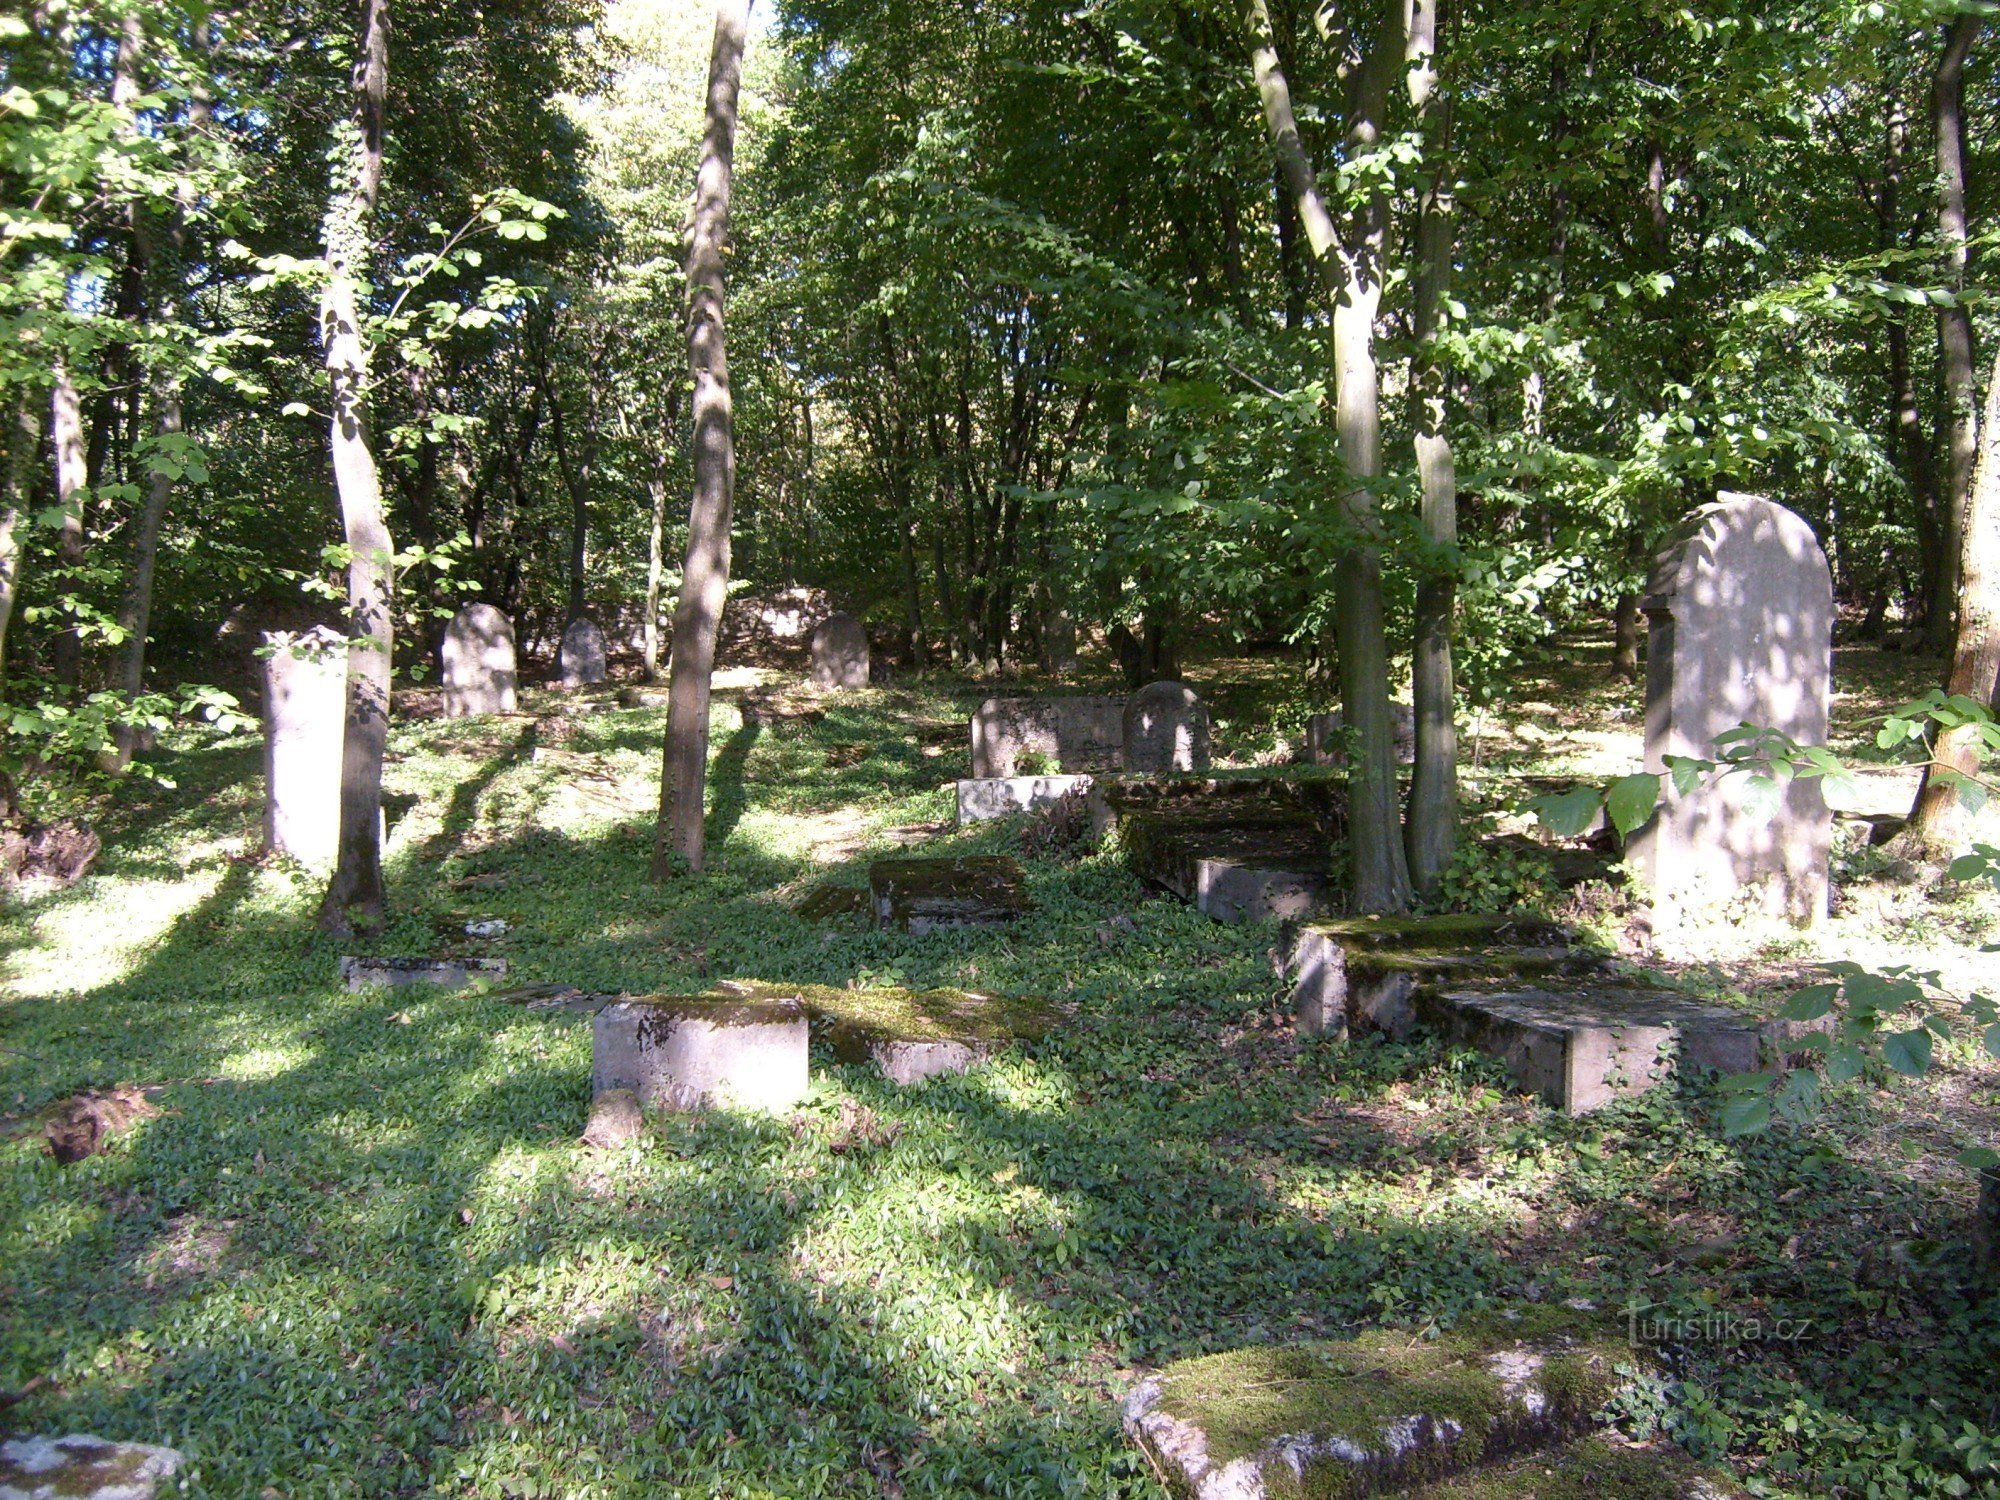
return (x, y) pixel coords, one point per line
(1592, 1468)
(83, 1468)
(1250, 870)
(922, 895)
(983, 798)
(1378, 1414)
(693, 1052)
(826, 902)
(445, 973)
(1307, 795)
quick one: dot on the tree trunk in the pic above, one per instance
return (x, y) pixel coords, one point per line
(1955, 341)
(576, 479)
(1349, 261)
(1625, 636)
(72, 489)
(649, 629)
(1939, 820)
(24, 443)
(354, 896)
(705, 575)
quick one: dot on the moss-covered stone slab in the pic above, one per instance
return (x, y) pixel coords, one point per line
(914, 1034)
(79, 1467)
(694, 1052)
(983, 798)
(825, 903)
(1363, 973)
(445, 973)
(1380, 1414)
(1592, 1468)
(1311, 796)
(1234, 871)
(921, 895)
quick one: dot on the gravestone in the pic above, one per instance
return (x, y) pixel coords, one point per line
(1326, 743)
(478, 660)
(1166, 729)
(581, 656)
(305, 716)
(1076, 734)
(840, 653)
(972, 890)
(1740, 616)
(80, 1467)
(694, 1052)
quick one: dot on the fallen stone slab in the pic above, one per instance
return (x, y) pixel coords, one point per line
(1307, 795)
(1376, 1415)
(923, 895)
(722, 1049)
(916, 1034)
(1363, 973)
(79, 1467)
(445, 973)
(824, 903)
(1580, 1044)
(1592, 1468)
(1236, 871)
(983, 798)
(1079, 733)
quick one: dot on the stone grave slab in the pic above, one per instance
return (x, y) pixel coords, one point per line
(921, 895)
(305, 722)
(79, 1467)
(1325, 745)
(1315, 797)
(1166, 729)
(581, 656)
(1073, 734)
(1580, 1044)
(445, 973)
(1246, 871)
(1589, 1468)
(694, 1052)
(477, 657)
(983, 798)
(1379, 1414)
(1739, 610)
(840, 653)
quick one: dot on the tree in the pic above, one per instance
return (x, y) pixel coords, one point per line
(705, 573)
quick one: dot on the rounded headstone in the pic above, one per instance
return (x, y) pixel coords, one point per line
(694, 1052)
(581, 657)
(305, 718)
(478, 662)
(1739, 610)
(1166, 729)
(840, 653)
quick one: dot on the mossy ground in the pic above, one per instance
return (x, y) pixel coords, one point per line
(920, 1015)
(1592, 1469)
(361, 1252)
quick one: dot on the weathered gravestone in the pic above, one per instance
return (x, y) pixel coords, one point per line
(694, 1052)
(479, 672)
(1326, 736)
(305, 716)
(80, 1467)
(840, 653)
(1740, 615)
(581, 656)
(1166, 729)
(1083, 733)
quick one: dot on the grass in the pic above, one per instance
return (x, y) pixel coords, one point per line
(361, 1251)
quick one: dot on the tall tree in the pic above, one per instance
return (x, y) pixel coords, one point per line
(1955, 343)
(354, 896)
(705, 572)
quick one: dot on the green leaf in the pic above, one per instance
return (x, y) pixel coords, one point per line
(1747, 1114)
(1810, 1003)
(1845, 1063)
(1631, 800)
(1992, 1039)
(1979, 1158)
(1567, 814)
(1908, 1052)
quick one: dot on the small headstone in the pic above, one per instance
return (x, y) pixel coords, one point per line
(1326, 743)
(1740, 612)
(840, 653)
(83, 1468)
(1166, 729)
(698, 1051)
(1070, 734)
(305, 718)
(478, 661)
(922, 895)
(445, 973)
(581, 656)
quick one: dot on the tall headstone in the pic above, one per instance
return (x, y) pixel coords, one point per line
(581, 656)
(1082, 733)
(840, 653)
(1740, 617)
(479, 673)
(305, 717)
(1166, 729)
(1326, 736)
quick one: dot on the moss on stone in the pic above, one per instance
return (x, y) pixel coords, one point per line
(1592, 1468)
(941, 1015)
(1453, 933)
(727, 1006)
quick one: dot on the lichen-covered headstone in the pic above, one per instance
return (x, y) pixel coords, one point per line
(82, 1468)
(840, 653)
(1070, 734)
(1166, 729)
(1740, 616)
(581, 657)
(694, 1052)
(478, 661)
(305, 715)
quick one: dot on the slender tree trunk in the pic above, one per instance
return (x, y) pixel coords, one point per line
(1349, 261)
(1431, 832)
(576, 479)
(1939, 820)
(649, 629)
(72, 490)
(24, 441)
(354, 896)
(1955, 344)
(1625, 635)
(705, 575)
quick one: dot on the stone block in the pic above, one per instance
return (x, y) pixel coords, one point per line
(1592, 1466)
(1166, 729)
(1074, 734)
(305, 722)
(840, 653)
(445, 973)
(580, 659)
(695, 1052)
(1317, 798)
(79, 1467)
(1363, 973)
(916, 1034)
(1246, 871)
(477, 657)
(921, 895)
(983, 798)
(1326, 743)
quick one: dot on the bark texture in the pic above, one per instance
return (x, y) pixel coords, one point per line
(1955, 344)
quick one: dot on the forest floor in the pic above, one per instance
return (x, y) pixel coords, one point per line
(361, 1251)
